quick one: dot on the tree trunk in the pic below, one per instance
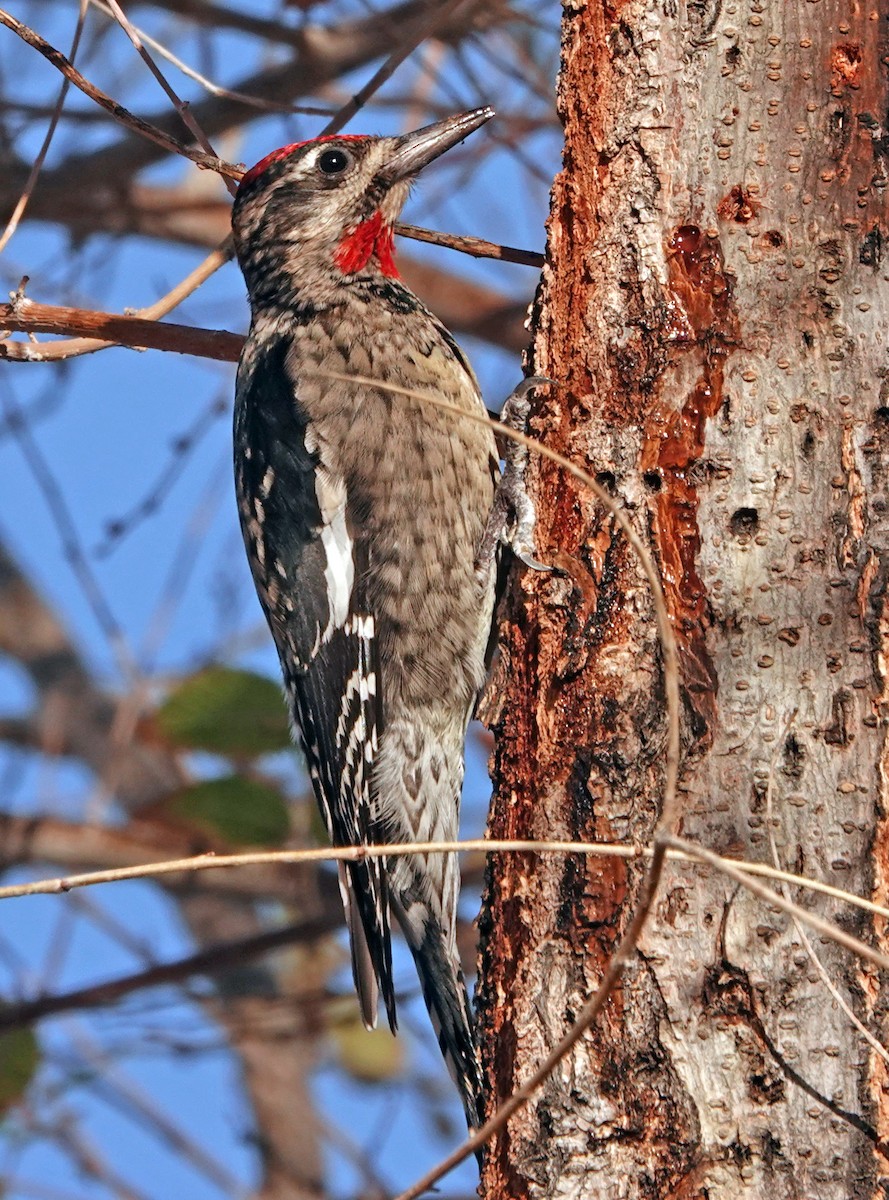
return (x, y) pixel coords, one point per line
(714, 310)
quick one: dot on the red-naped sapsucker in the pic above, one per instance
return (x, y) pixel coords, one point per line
(363, 512)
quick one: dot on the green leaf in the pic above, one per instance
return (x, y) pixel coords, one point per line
(242, 811)
(19, 1059)
(235, 713)
(370, 1056)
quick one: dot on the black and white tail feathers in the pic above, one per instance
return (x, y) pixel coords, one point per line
(416, 891)
(340, 743)
(444, 991)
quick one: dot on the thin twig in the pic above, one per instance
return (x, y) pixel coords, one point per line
(126, 1098)
(77, 346)
(183, 446)
(217, 258)
(205, 962)
(475, 247)
(214, 862)
(445, 11)
(215, 89)
(69, 1138)
(181, 107)
(69, 537)
(100, 330)
(204, 862)
(772, 897)
(121, 114)
(37, 165)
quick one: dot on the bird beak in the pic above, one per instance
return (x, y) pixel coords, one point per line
(416, 150)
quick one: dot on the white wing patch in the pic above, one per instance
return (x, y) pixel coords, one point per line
(339, 570)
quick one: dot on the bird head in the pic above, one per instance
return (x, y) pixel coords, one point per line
(331, 203)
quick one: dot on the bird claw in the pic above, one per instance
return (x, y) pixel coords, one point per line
(512, 517)
(529, 560)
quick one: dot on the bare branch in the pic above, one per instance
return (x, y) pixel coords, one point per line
(37, 165)
(323, 53)
(208, 961)
(215, 89)
(181, 108)
(476, 247)
(23, 316)
(463, 305)
(158, 136)
(825, 928)
(148, 861)
(78, 846)
(447, 10)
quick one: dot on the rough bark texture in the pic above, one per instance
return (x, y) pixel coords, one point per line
(715, 310)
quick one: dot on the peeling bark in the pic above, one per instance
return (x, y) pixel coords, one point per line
(714, 308)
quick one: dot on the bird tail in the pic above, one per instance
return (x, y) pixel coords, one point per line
(444, 990)
(369, 942)
(420, 802)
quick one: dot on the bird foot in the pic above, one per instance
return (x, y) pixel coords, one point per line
(512, 518)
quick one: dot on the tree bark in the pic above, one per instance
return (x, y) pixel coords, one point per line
(714, 309)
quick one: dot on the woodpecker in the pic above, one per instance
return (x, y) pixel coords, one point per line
(363, 511)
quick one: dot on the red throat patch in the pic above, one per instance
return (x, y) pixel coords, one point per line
(371, 237)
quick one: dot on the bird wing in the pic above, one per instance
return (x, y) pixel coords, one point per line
(309, 576)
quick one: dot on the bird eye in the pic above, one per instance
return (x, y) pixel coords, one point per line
(333, 162)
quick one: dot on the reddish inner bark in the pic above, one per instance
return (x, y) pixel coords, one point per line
(675, 442)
